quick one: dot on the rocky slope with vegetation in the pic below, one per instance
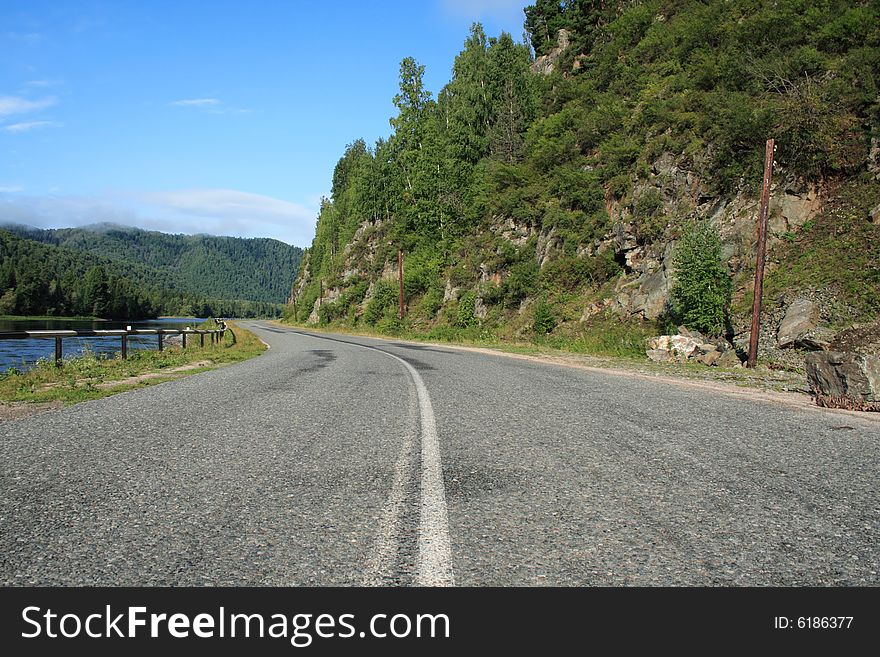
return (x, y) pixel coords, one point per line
(600, 184)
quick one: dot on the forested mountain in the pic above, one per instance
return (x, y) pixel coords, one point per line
(40, 279)
(546, 187)
(259, 269)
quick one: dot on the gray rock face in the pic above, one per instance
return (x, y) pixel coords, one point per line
(709, 357)
(819, 339)
(481, 310)
(729, 359)
(801, 317)
(841, 379)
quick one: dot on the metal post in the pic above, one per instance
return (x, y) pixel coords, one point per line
(183, 341)
(159, 335)
(57, 352)
(124, 346)
(201, 339)
(400, 280)
(762, 245)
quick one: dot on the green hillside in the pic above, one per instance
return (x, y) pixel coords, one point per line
(545, 188)
(259, 269)
(41, 279)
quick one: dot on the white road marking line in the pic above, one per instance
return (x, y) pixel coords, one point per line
(435, 551)
(434, 566)
(383, 558)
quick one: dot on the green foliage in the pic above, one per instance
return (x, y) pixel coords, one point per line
(702, 290)
(465, 315)
(570, 272)
(648, 215)
(42, 279)
(543, 321)
(384, 298)
(259, 270)
(520, 283)
(643, 88)
(432, 302)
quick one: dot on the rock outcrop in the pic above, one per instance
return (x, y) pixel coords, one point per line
(849, 375)
(847, 380)
(801, 317)
(546, 63)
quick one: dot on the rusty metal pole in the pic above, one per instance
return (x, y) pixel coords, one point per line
(400, 279)
(58, 354)
(762, 246)
(124, 346)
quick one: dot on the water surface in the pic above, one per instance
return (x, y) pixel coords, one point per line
(22, 354)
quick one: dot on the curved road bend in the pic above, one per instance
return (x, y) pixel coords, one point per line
(346, 460)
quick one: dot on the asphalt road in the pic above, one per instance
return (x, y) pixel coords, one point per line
(343, 460)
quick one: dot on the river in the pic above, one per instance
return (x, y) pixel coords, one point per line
(22, 354)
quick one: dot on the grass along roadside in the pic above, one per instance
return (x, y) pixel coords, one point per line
(602, 349)
(91, 376)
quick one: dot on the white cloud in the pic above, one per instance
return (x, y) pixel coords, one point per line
(10, 105)
(233, 212)
(212, 211)
(62, 211)
(27, 126)
(209, 105)
(10, 189)
(196, 102)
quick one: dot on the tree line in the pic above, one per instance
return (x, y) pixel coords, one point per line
(258, 269)
(36, 279)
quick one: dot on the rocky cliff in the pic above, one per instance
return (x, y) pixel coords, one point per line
(582, 214)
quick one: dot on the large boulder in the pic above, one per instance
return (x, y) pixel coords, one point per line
(666, 348)
(845, 379)
(801, 317)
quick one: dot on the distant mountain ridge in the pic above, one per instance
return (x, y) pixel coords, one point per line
(253, 269)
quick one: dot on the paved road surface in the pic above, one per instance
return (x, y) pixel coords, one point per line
(342, 460)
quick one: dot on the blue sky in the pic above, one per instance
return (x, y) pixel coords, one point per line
(206, 116)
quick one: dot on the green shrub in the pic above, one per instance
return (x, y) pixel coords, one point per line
(432, 301)
(544, 322)
(521, 282)
(384, 296)
(353, 296)
(571, 272)
(465, 316)
(702, 290)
